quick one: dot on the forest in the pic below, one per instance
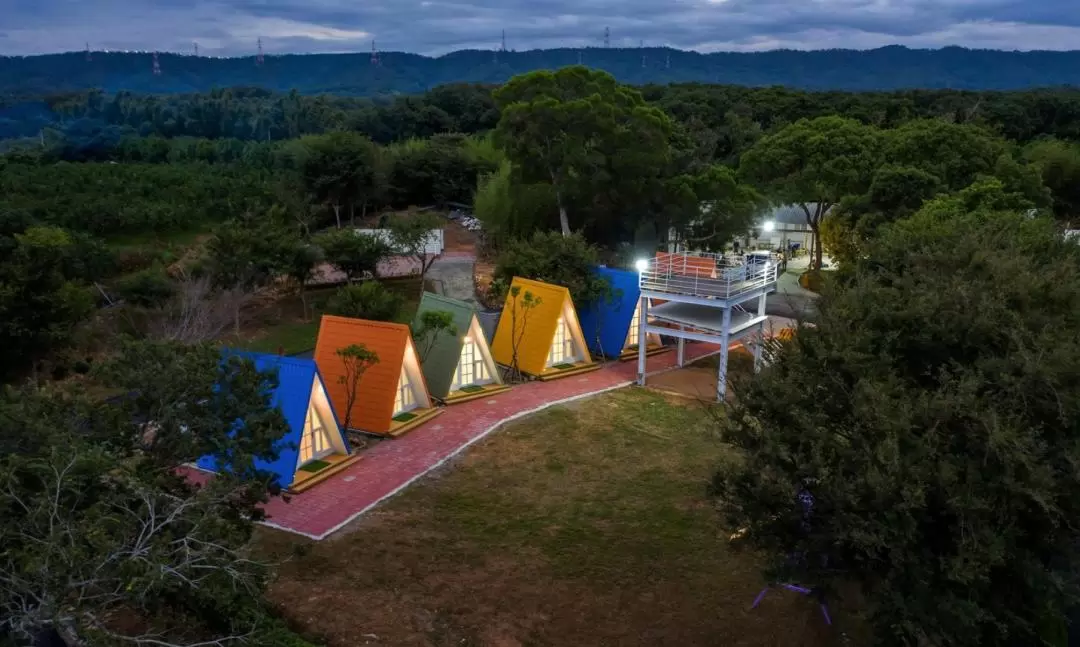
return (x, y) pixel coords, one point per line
(885, 68)
(140, 231)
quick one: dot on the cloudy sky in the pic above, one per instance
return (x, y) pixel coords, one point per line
(231, 27)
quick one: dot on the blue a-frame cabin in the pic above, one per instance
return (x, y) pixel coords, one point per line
(314, 447)
(610, 326)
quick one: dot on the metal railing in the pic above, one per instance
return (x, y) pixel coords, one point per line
(706, 275)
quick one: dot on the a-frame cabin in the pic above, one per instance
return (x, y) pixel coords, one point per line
(547, 334)
(611, 326)
(391, 396)
(458, 367)
(314, 448)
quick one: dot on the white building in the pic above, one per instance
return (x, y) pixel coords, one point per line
(779, 227)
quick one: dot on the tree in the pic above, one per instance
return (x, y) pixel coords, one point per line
(369, 300)
(245, 254)
(1059, 164)
(104, 542)
(354, 254)
(356, 359)
(432, 325)
(579, 131)
(710, 208)
(920, 441)
(198, 311)
(814, 163)
(520, 309)
(338, 169)
(552, 258)
(299, 262)
(43, 298)
(147, 288)
(411, 234)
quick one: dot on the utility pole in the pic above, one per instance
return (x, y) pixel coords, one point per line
(259, 58)
(157, 66)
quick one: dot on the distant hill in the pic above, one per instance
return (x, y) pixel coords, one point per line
(887, 68)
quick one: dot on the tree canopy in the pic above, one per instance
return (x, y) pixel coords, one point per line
(920, 441)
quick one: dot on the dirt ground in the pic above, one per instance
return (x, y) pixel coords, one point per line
(582, 525)
(697, 381)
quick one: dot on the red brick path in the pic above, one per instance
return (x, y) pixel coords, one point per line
(392, 465)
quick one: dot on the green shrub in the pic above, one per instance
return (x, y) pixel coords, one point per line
(553, 258)
(147, 288)
(368, 300)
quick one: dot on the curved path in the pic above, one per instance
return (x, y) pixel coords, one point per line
(390, 466)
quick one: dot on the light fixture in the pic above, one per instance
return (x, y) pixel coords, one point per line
(769, 225)
(641, 264)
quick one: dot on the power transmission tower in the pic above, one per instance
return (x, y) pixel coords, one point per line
(375, 55)
(259, 58)
(502, 48)
(667, 62)
(607, 37)
(579, 57)
(88, 56)
(643, 54)
(196, 49)
(157, 66)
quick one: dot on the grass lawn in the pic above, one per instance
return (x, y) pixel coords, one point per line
(582, 525)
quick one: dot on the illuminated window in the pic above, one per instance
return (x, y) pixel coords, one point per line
(562, 347)
(471, 368)
(315, 442)
(405, 399)
(635, 327)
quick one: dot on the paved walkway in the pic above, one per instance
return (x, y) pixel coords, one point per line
(390, 466)
(452, 276)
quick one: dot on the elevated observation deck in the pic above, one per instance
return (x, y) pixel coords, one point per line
(698, 296)
(720, 280)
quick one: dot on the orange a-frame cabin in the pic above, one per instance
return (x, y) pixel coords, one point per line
(392, 396)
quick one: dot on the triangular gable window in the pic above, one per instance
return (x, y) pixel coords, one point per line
(471, 368)
(563, 349)
(315, 442)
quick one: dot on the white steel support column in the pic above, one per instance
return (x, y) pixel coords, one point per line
(643, 324)
(721, 379)
(680, 354)
(759, 345)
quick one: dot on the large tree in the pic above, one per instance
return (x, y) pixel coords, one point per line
(339, 169)
(923, 440)
(814, 163)
(43, 294)
(1059, 164)
(104, 541)
(581, 132)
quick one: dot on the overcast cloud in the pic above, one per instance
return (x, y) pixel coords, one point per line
(433, 27)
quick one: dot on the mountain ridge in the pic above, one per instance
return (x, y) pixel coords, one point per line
(892, 67)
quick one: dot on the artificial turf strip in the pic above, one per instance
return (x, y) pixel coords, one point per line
(404, 417)
(315, 466)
